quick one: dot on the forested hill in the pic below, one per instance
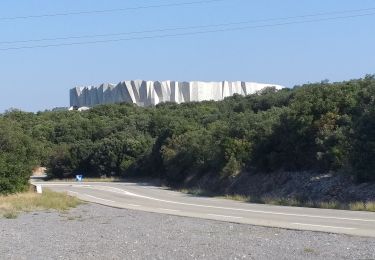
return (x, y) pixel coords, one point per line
(315, 127)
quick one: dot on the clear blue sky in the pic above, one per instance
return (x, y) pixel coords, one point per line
(40, 78)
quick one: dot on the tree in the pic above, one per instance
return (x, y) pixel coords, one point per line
(16, 158)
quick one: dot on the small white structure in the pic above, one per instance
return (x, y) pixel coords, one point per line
(83, 109)
(38, 188)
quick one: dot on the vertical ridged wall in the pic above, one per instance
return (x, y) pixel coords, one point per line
(146, 93)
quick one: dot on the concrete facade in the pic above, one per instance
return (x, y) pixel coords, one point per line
(148, 93)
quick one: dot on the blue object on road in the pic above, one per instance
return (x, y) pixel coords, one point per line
(79, 177)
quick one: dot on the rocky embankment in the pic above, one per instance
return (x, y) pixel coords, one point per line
(297, 186)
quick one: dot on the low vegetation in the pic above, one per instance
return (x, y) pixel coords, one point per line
(363, 206)
(321, 127)
(91, 179)
(12, 205)
(292, 202)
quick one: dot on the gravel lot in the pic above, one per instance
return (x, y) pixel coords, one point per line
(98, 232)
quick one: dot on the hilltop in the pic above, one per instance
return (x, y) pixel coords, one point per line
(322, 128)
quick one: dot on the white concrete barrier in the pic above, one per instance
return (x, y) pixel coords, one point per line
(38, 189)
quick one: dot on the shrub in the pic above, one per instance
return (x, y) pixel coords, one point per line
(16, 158)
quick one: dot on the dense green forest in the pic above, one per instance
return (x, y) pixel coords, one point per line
(315, 127)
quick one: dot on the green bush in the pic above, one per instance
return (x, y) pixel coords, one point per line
(319, 127)
(16, 158)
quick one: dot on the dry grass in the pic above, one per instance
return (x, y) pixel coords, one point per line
(363, 206)
(12, 205)
(292, 202)
(330, 205)
(110, 179)
(197, 192)
(279, 201)
(236, 197)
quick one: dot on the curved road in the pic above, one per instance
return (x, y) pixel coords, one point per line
(150, 198)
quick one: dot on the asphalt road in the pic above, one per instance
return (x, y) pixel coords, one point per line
(150, 198)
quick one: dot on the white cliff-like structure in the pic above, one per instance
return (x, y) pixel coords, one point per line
(148, 93)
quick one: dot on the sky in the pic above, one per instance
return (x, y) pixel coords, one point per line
(288, 52)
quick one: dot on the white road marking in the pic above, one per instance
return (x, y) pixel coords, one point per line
(223, 216)
(234, 209)
(121, 191)
(90, 196)
(100, 198)
(312, 225)
(174, 210)
(133, 205)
